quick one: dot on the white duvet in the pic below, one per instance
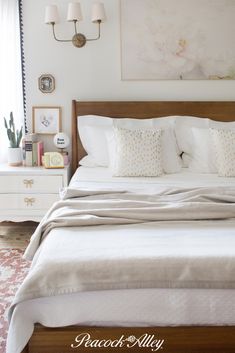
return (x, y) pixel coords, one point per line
(154, 306)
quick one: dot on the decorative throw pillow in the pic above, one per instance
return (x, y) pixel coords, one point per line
(224, 141)
(137, 152)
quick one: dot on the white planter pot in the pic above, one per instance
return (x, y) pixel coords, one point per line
(14, 156)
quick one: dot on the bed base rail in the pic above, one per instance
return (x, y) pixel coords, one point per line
(188, 339)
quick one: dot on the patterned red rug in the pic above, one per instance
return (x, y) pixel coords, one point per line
(13, 269)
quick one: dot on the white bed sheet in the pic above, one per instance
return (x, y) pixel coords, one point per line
(84, 177)
(139, 307)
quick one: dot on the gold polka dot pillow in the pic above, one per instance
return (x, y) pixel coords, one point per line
(137, 152)
(224, 142)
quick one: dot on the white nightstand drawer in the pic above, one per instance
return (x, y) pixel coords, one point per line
(27, 201)
(30, 183)
(26, 193)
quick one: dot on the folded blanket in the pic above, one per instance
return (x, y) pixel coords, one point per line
(104, 207)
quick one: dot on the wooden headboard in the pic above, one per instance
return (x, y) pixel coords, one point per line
(220, 111)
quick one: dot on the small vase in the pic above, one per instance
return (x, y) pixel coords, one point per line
(14, 156)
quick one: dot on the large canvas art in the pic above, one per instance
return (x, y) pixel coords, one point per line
(178, 39)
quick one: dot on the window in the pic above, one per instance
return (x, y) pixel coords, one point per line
(11, 88)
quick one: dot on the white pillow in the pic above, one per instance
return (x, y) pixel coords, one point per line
(203, 152)
(93, 131)
(158, 123)
(224, 141)
(171, 159)
(222, 125)
(95, 143)
(184, 136)
(137, 152)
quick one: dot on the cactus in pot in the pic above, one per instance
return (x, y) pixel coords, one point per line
(14, 137)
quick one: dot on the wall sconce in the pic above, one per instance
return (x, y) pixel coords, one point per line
(75, 15)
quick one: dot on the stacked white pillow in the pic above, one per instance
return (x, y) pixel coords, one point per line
(97, 133)
(92, 131)
(203, 158)
(195, 141)
(185, 131)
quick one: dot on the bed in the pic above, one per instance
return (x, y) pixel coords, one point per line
(178, 323)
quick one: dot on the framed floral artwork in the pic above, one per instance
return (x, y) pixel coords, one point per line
(46, 120)
(177, 40)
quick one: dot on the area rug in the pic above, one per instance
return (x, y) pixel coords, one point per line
(13, 269)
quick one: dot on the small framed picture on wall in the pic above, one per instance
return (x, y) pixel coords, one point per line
(46, 120)
(46, 83)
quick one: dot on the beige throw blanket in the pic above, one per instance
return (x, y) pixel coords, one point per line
(105, 207)
(130, 256)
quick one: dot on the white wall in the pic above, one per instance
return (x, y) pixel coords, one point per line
(94, 71)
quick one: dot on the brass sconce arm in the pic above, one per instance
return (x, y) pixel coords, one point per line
(54, 35)
(78, 39)
(98, 36)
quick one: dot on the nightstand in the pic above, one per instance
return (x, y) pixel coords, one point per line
(26, 193)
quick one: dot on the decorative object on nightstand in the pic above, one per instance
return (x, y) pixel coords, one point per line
(53, 160)
(75, 15)
(61, 141)
(14, 137)
(32, 150)
(46, 83)
(26, 193)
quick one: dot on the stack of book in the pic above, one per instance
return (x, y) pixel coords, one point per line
(32, 151)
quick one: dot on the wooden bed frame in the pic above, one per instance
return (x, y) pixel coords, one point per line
(220, 111)
(190, 339)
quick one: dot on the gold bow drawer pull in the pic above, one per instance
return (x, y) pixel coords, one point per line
(29, 201)
(28, 183)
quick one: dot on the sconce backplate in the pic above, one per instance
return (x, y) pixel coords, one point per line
(79, 40)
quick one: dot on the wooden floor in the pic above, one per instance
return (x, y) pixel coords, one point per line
(16, 235)
(19, 224)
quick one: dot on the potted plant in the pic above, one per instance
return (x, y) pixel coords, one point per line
(14, 136)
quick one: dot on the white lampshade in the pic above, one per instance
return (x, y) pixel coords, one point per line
(98, 12)
(74, 12)
(51, 14)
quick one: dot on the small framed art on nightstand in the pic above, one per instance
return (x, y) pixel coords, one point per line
(46, 120)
